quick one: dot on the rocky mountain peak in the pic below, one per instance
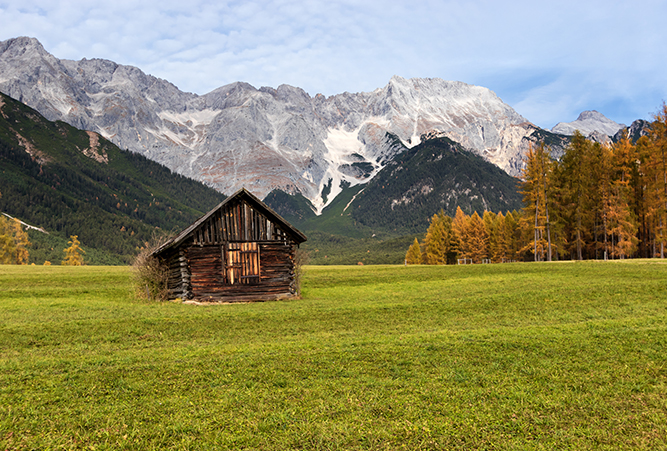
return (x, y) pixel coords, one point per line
(591, 114)
(587, 123)
(22, 46)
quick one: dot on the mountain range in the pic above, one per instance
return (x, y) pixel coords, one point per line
(266, 138)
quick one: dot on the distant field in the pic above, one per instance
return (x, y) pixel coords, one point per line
(517, 356)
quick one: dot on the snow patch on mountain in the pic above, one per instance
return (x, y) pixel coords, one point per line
(344, 153)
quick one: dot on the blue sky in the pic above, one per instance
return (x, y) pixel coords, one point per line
(548, 60)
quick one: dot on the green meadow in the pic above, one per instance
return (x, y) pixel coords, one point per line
(518, 356)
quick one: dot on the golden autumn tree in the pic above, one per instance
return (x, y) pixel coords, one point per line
(641, 202)
(512, 242)
(536, 189)
(414, 255)
(74, 253)
(575, 186)
(13, 242)
(477, 239)
(621, 225)
(498, 236)
(460, 227)
(436, 241)
(7, 247)
(656, 171)
(441, 242)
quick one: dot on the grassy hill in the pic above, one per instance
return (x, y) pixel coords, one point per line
(513, 356)
(71, 182)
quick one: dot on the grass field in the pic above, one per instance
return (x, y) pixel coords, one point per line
(517, 356)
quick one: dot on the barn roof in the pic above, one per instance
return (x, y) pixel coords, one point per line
(242, 194)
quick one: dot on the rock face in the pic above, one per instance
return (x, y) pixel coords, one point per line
(637, 129)
(587, 123)
(238, 135)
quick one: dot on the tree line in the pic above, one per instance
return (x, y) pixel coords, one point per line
(597, 201)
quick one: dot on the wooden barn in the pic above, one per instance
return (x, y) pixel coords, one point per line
(239, 251)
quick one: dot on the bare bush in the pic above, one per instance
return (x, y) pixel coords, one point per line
(149, 274)
(301, 258)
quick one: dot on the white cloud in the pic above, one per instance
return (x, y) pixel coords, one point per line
(549, 60)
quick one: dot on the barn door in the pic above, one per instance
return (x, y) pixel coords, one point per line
(242, 263)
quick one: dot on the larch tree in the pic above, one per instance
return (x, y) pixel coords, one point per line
(460, 229)
(573, 183)
(622, 225)
(493, 231)
(512, 240)
(414, 255)
(476, 238)
(658, 179)
(436, 241)
(74, 253)
(14, 242)
(641, 194)
(535, 187)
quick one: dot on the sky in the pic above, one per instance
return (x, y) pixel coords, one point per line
(548, 60)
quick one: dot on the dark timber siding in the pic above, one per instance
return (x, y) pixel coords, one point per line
(235, 223)
(209, 281)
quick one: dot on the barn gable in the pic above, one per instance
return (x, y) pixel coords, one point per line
(241, 250)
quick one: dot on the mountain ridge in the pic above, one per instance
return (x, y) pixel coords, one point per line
(266, 138)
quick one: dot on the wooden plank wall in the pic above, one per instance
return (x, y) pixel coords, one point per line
(276, 274)
(236, 254)
(237, 222)
(178, 281)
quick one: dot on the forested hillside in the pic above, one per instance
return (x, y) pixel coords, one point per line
(598, 201)
(72, 182)
(436, 174)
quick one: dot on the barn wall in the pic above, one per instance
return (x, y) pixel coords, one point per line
(178, 280)
(207, 276)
